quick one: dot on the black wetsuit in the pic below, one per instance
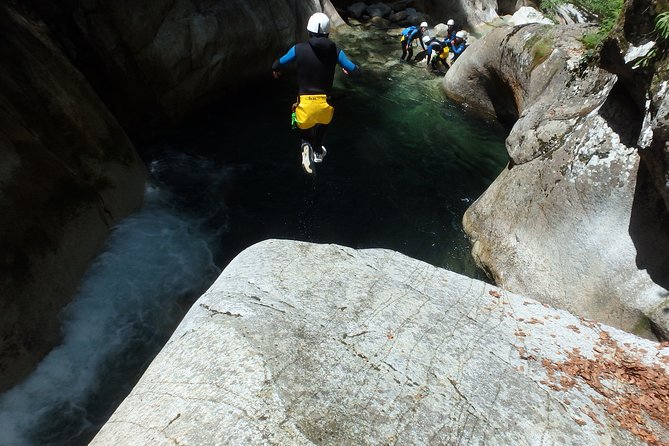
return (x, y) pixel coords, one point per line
(316, 61)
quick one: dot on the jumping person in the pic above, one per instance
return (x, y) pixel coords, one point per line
(408, 36)
(316, 60)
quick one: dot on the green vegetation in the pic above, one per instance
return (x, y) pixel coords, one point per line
(541, 49)
(662, 24)
(607, 12)
(662, 30)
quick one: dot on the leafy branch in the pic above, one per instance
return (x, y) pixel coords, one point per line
(662, 29)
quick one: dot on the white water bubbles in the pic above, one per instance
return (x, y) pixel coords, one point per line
(155, 261)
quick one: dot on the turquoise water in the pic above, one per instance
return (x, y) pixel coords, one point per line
(403, 165)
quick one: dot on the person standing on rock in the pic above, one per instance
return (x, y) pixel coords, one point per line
(408, 36)
(316, 60)
(440, 50)
(458, 45)
(451, 30)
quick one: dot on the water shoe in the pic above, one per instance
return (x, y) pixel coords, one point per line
(307, 158)
(318, 157)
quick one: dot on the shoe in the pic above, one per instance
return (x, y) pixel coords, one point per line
(318, 157)
(307, 158)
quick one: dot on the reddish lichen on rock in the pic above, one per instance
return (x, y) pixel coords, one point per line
(634, 392)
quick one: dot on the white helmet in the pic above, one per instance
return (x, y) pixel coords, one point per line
(450, 22)
(319, 23)
(460, 34)
(423, 25)
(426, 39)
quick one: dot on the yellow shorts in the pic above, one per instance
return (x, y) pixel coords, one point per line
(313, 109)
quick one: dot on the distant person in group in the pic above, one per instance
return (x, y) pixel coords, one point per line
(437, 52)
(451, 29)
(458, 45)
(316, 60)
(408, 36)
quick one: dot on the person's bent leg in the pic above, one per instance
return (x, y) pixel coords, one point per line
(317, 138)
(306, 149)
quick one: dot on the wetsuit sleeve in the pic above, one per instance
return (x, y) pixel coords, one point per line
(285, 59)
(458, 49)
(345, 62)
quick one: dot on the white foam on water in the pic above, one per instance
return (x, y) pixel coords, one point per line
(152, 259)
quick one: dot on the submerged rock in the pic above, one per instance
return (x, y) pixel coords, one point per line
(307, 344)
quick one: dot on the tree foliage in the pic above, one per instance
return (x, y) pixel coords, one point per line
(606, 11)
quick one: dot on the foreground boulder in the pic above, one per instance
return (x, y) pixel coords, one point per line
(575, 220)
(306, 344)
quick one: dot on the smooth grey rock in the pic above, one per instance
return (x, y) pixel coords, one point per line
(440, 30)
(527, 14)
(569, 14)
(307, 344)
(570, 221)
(470, 15)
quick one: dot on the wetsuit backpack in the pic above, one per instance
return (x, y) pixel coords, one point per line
(406, 32)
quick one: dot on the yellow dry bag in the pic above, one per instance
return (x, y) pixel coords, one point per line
(313, 109)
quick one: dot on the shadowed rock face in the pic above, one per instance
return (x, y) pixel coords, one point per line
(372, 347)
(472, 15)
(68, 170)
(155, 62)
(67, 173)
(577, 220)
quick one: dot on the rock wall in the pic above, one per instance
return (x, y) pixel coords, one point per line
(68, 170)
(575, 220)
(67, 173)
(372, 347)
(469, 14)
(472, 15)
(156, 62)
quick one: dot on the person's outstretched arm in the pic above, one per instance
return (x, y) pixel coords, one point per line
(346, 64)
(283, 60)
